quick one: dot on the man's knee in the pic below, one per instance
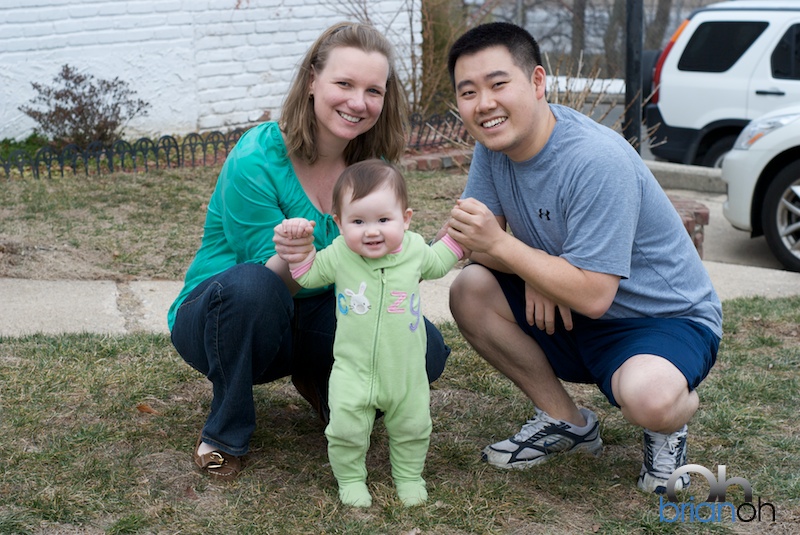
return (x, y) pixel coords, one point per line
(468, 290)
(655, 406)
(652, 390)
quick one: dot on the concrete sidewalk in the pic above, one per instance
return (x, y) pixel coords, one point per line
(53, 307)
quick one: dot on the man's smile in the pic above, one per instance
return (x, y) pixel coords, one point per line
(494, 122)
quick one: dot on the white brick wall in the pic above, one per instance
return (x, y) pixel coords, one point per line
(201, 64)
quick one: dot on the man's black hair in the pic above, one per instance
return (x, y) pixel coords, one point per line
(521, 45)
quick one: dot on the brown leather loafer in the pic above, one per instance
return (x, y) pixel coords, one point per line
(217, 464)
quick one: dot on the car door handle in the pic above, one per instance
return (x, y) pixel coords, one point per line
(776, 92)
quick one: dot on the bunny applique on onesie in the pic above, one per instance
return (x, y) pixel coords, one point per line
(379, 359)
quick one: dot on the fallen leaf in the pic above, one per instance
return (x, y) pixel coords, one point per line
(189, 493)
(147, 409)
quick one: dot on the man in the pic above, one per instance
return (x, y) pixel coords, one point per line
(598, 281)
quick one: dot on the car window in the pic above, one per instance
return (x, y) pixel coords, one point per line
(716, 46)
(786, 56)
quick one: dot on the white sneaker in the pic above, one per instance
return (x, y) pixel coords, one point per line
(663, 454)
(543, 436)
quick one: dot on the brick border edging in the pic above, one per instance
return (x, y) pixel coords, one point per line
(695, 216)
(455, 159)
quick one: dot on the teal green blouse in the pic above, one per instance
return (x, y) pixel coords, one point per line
(257, 188)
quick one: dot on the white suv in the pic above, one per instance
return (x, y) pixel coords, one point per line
(727, 64)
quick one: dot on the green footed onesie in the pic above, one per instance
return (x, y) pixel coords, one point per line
(379, 359)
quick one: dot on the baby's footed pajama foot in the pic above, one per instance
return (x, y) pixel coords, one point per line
(355, 494)
(412, 493)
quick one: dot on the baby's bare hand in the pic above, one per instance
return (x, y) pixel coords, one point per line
(295, 228)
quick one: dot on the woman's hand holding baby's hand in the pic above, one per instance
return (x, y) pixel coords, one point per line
(294, 239)
(296, 228)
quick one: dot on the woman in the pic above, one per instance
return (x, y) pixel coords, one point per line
(240, 318)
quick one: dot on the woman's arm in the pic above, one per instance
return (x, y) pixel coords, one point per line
(294, 245)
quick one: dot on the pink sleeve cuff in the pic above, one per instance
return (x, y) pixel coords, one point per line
(452, 245)
(302, 269)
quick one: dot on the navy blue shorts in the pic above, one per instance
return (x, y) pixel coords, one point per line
(594, 349)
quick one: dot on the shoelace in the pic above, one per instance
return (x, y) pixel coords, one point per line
(533, 426)
(664, 462)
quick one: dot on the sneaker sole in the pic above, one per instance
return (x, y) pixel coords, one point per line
(594, 450)
(653, 485)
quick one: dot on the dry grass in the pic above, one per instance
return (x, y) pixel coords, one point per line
(127, 226)
(97, 431)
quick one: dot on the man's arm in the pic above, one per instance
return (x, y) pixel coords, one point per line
(480, 258)
(587, 292)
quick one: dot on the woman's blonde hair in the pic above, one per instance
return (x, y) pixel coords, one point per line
(298, 122)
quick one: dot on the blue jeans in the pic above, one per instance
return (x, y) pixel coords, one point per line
(242, 327)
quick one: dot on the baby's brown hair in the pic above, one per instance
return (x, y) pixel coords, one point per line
(364, 177)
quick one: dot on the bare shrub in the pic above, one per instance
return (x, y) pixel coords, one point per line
(78, 108)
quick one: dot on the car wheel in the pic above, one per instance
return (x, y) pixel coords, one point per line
(717, 151)
(780, 216)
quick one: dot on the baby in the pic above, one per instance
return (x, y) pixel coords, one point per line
(379, 350)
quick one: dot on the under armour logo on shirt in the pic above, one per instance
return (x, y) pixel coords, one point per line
(544, 214)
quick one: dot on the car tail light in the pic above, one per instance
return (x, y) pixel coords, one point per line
(662, 58)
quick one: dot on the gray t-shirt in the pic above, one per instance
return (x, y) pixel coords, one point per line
(588, 197)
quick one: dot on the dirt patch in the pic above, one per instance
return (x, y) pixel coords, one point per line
(50, 262)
